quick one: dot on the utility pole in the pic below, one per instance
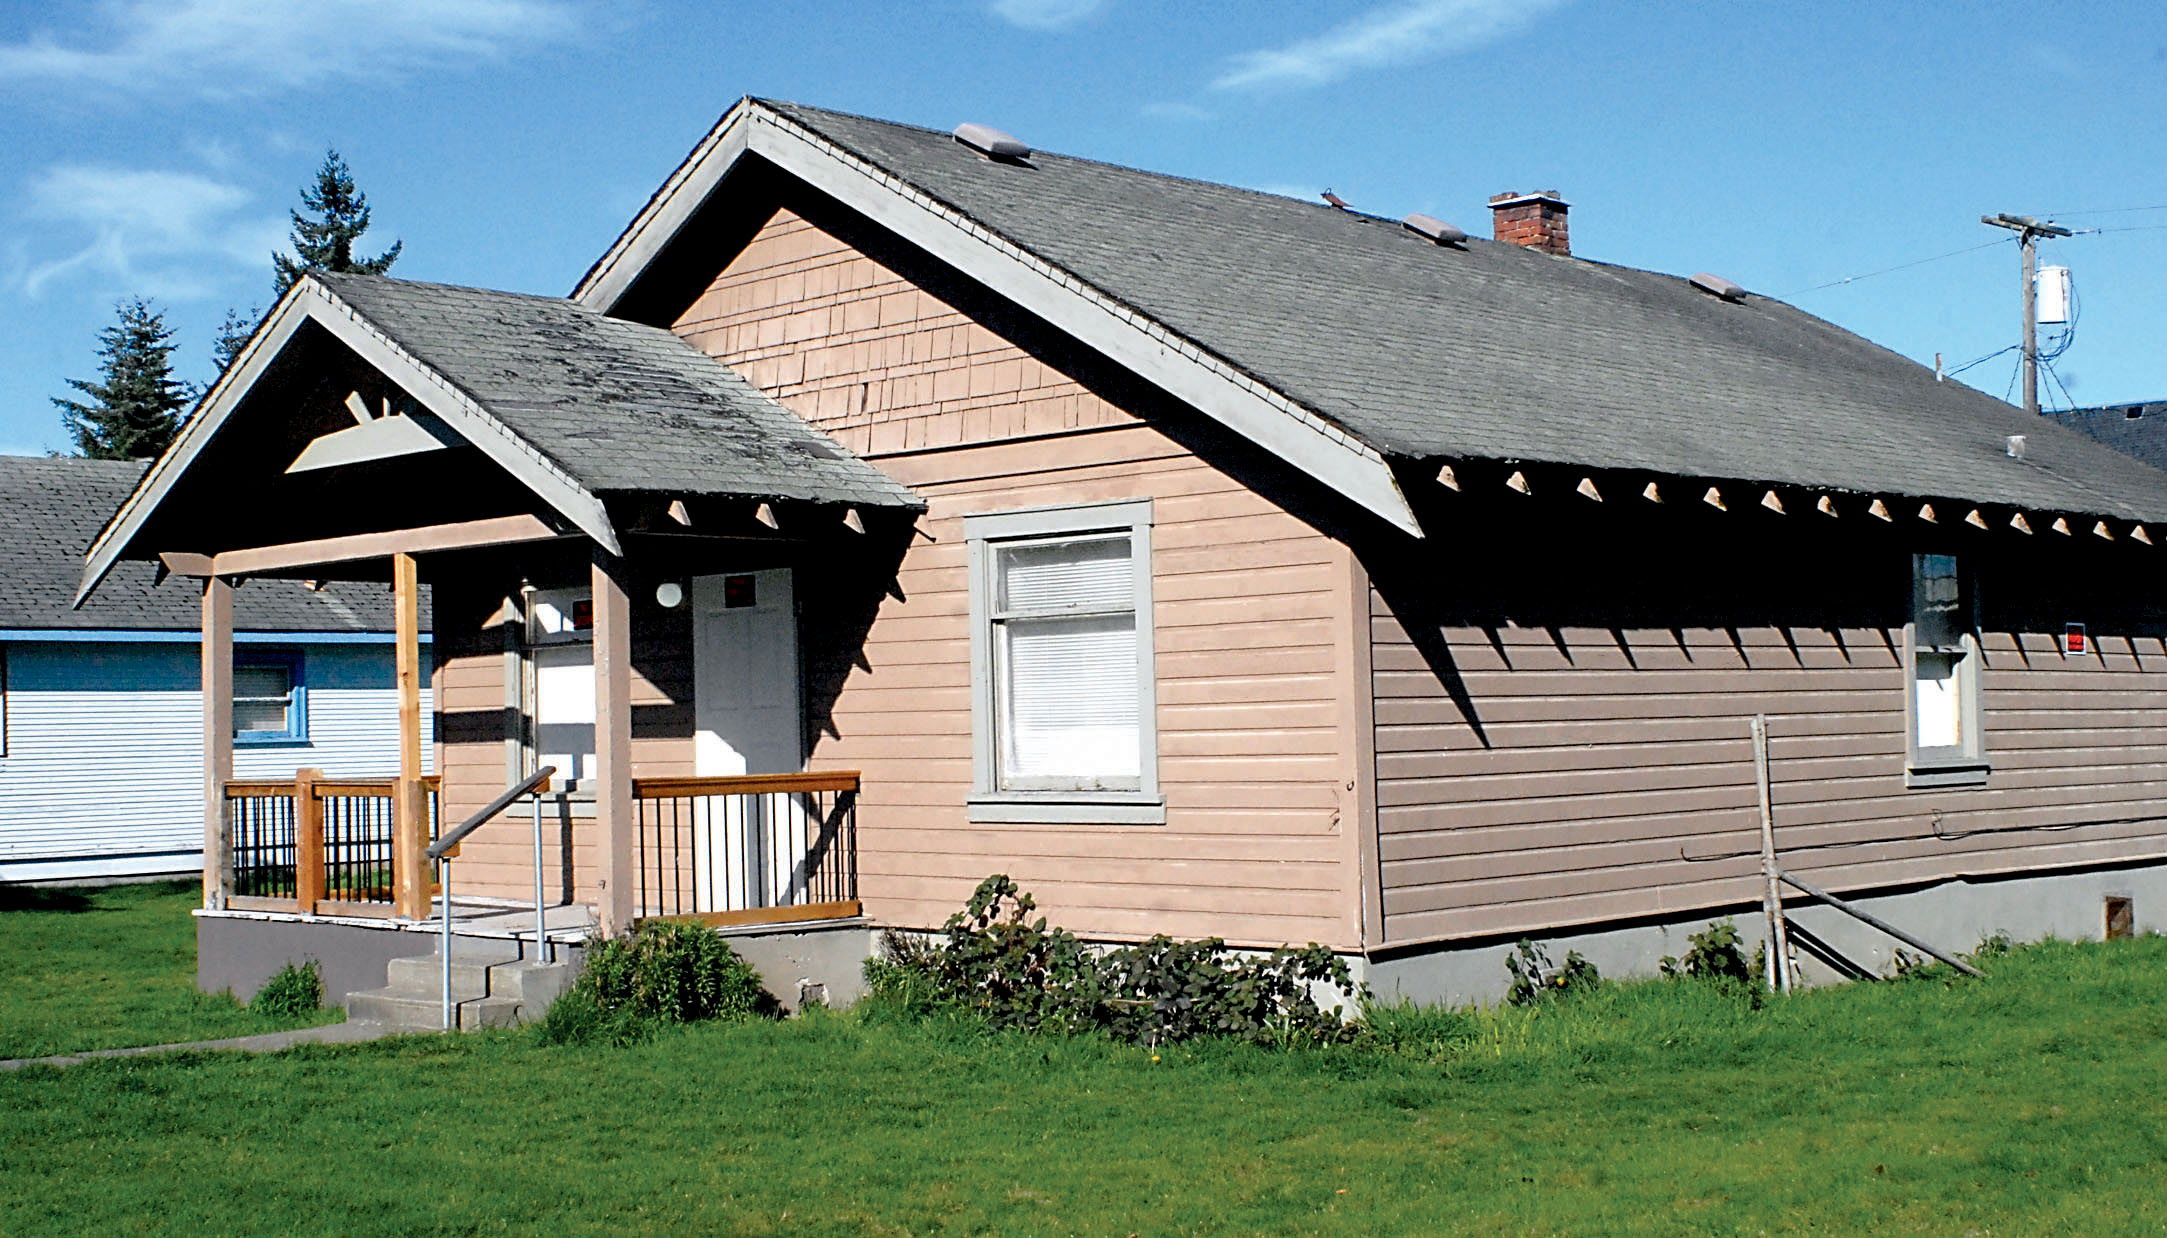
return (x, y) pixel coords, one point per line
(2028, 232)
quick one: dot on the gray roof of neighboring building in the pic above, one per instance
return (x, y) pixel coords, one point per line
(1494, 351)
(617, 405)
(2138, 430)
(51, 508)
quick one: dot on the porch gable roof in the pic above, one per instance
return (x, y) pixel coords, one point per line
(571, 403)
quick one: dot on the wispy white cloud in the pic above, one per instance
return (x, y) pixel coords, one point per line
(154, 233)
(1176, 110)
(1391, 35)
(233, 48)
(1045, 14)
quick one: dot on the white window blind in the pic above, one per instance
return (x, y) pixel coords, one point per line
(1066, 661)
(262, 698)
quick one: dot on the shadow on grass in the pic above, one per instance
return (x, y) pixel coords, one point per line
(41, 898)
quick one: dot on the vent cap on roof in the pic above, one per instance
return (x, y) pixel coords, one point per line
(991, 142)
(1719, 286)
(1435, 229)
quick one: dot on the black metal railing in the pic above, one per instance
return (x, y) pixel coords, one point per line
(260, 837)
(354, 820)
(746, 847)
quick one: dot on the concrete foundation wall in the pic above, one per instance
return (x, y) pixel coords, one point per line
(1953, 915)
(237, 954)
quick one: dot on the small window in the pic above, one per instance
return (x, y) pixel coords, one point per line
(560, 670)
(269, 699)
(1942, 714)
(1063, 699)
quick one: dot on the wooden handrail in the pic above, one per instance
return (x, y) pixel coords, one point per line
(366, 787)
(743, 784)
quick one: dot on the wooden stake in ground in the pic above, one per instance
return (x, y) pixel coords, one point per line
(1779, 937)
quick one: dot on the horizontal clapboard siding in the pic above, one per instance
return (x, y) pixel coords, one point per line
(1611, 774)
(1254, 616)
(105, 747)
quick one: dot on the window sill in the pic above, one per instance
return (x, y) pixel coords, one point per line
(1924, 775)
(1067, 808)
(270, 741)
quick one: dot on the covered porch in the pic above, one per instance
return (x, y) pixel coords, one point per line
(645, 580)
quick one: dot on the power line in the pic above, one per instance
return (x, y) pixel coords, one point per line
(1902, 266)
(2107, 210)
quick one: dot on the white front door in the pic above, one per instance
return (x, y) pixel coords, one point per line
(748, 850)
(745, 675)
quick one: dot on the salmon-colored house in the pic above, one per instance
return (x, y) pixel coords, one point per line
(890, 507)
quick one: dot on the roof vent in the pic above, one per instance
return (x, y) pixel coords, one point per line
(1435, 229)
(991, 142)
(1719, 286)
(2016, 447)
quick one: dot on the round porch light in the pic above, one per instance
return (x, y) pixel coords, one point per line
(670, 594)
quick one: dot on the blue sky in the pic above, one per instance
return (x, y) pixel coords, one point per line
(153, 148)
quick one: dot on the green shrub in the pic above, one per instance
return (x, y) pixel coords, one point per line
(1534, 980)
(666, 972)
(1714, 953)
(1000, 963)
(291, 992)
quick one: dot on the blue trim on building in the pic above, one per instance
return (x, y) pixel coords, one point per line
(295, 664)
(125, 636)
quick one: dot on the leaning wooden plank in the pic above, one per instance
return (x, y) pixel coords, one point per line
(1869, 918)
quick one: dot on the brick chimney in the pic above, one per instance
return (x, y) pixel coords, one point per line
(1536, 220)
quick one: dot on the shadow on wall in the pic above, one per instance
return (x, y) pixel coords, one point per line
(1559, 566)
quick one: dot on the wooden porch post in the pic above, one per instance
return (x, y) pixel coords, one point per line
(308, 840)
(613, 807)
(410, 803)
(217, 738)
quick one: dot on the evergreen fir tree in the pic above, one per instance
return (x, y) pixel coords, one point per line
(326, 241)
(232, 336)
(135, 408)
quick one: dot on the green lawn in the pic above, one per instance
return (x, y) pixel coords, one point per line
(108, 968)
(2029, 1103)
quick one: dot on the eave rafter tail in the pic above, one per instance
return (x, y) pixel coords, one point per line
(1475, 476)
(1131, 340)
(310, 301)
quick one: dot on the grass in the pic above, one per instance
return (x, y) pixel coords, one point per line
(2024, 1104)
(108, 968)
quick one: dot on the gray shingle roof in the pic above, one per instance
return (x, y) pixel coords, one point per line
(2138, 430)
(1499, 352)
(617, 405)
(50, 509)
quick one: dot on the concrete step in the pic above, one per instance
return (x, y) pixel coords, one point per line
(409, 1012)
(487, 994)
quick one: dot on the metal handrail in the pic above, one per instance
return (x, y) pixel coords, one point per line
(437, 849)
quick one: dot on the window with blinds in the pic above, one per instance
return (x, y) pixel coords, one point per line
(267, 699)
(1064, 624)
(1062, 698)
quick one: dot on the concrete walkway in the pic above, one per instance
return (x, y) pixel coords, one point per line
(328, 1034)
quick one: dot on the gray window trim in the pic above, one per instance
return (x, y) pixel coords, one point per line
(1966, 765)
(991, 803)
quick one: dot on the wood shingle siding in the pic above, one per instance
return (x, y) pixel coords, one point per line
(1250, 607)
